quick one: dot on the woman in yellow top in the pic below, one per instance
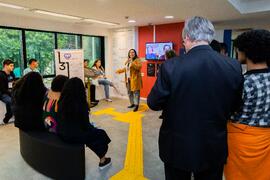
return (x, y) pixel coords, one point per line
(133, 78)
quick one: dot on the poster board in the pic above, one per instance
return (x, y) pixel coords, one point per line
(69, 62)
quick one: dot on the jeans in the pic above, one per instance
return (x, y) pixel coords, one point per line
(7, 100)
(134, 96)
(106, 83)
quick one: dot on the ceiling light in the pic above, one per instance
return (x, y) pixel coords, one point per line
(168, 17)
(12, 6)
(57, 14)
(100, 22)
(131, 21)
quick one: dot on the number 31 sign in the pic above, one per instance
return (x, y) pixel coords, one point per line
(69, 63)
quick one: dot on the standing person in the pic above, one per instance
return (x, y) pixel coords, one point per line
(169, 54)
(74, 125)
(33, 64)
(249, 129)
(133, 78)
(224, 49)
(102, 79)
(197, 93)
(7, 78)
(215, 45)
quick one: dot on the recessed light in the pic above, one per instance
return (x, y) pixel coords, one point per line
(131, 21)
(56, 14)
(168, 17)
(100, 22)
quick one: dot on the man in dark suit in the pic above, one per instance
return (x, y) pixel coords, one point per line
(197, 93)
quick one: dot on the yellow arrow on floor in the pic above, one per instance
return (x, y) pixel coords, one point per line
(133, 169)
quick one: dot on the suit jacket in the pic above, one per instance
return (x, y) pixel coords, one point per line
(135, 75)
(197, 93)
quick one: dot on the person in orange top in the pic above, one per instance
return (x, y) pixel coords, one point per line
(249, 129)
(133, 78)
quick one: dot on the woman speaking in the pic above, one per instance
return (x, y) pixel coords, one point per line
(133, 78)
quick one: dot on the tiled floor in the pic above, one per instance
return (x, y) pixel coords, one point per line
(13, 167)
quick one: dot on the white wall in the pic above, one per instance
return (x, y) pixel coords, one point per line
(122, 40)
(219, 35)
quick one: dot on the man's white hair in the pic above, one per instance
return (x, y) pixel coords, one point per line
(199, 29)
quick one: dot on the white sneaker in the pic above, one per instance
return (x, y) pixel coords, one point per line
(109, 100)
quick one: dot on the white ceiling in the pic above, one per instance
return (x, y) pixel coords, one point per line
(145, 12)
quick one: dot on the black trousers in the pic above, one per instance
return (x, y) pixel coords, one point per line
(92, 92)
(172, 173)
(96, 139)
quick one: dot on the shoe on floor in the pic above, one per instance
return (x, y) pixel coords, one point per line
(105, 164)
(109, 100)
(131, 106)
(7, 118)
(136, 108)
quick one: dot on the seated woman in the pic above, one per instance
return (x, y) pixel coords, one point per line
(74, 125)
(99, 70)
(50, 106)
(28, 95)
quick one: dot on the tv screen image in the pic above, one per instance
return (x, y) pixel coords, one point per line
(156, 51)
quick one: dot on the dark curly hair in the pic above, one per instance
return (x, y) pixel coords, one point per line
(58, 83)
(255, 44)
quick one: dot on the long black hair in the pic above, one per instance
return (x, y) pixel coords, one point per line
(31, 89)
(28, 97)
(72, 103)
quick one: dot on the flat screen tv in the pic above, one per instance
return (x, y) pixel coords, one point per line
(156, 51)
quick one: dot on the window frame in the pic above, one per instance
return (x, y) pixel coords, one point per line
(24, 52)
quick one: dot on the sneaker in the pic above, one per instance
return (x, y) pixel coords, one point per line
(131, 106)
(109, 100)
(105, 164)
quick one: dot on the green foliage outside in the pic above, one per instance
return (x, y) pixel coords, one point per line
(92, 48)
(10, 46)
(41, 45)
(68, 41)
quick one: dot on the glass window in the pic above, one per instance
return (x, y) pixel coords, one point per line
(11, 48)
(40, 46)
(92, 48)
(68, 41)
